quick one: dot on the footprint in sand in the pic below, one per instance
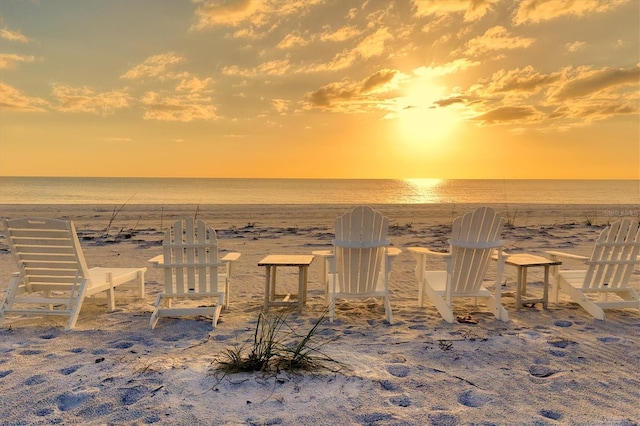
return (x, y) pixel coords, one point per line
(122, 345)
(472, 398)
(401, 401)
(35, 380)
(68, 370)
(389, 385)
(48, 336)
(76, 350)
(43, 412)
(608, 339)
(550, 414)
(221, 337)
(133, 395)
(5, 373)
(541, 371)
(69, 401)
(30, 352)
(398, 370)
(443, 419)
(562, 323)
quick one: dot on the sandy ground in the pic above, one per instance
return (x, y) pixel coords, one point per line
(555, 366)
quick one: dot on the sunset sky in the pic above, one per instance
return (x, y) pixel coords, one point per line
(320, 88)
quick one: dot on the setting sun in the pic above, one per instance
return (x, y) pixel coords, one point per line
(421, 122)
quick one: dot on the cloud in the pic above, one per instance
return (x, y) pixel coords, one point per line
(193, 84)
(373, 45)
(524, 81)
(280, 105)
(589, 82)
(508, 114)
(154, 67)
(84, 99)
(178, 108)
(350, 96)
(275, 67)
(341, 34)
(495, 39)
(233, 12)
(212, 13)
(473, 9)
(10, 60)
(534, 11)
(292, 40)
(13, 36)
(11, 99)
(448, 68)
(575, 46)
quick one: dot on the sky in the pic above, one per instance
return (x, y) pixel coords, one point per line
(449, 89)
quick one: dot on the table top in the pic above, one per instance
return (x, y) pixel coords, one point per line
(286, 260)
(525, 259)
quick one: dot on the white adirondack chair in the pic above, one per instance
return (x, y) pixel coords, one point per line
(605, 282)
(54, 278)
(192, 271)
(360, 264)
(475, 238)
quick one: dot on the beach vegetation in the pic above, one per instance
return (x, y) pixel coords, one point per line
(276, 346)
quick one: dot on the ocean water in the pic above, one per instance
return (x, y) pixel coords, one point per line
(38, 190)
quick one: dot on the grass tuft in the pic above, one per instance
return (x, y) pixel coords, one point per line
(278, 347)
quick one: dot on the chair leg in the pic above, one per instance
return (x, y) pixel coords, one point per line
(387, 308)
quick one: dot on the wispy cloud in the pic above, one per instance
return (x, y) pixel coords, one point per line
(11, 60)
(473, 9)
(177, 108)
(11, 99)
(534, 11)
(13, 36)
(155, 67)
(588, 82)
(495, 39)
(85, 99)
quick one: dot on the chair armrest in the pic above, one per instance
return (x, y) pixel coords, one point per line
(420, 251)
(323, 253)
(393, 251)
(157, 261)
(555, 254)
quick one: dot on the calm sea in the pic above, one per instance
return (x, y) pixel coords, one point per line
(36, 190)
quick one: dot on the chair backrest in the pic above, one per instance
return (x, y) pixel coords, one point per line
(360, 246)
(191, 258)
(474, 238)
(614, 256)
(48, 253)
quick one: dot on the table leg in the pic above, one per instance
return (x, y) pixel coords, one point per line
(267, 289)
(545, 291)
(519, 287)
(301, 289)
(524, 281)
(273, 282)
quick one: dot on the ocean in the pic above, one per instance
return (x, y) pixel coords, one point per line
(40, 190)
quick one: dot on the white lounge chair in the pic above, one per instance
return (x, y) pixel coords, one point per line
(54, 278)
(192, 271)
(360, 264)
(475, 238)
(608, 273)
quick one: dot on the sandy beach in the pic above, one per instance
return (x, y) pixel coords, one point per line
(543, 367)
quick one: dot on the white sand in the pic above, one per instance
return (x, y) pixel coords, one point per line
(558, 366)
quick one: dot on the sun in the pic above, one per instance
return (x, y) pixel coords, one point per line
(420, 121)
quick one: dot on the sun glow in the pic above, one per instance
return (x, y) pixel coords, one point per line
(421, 122)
